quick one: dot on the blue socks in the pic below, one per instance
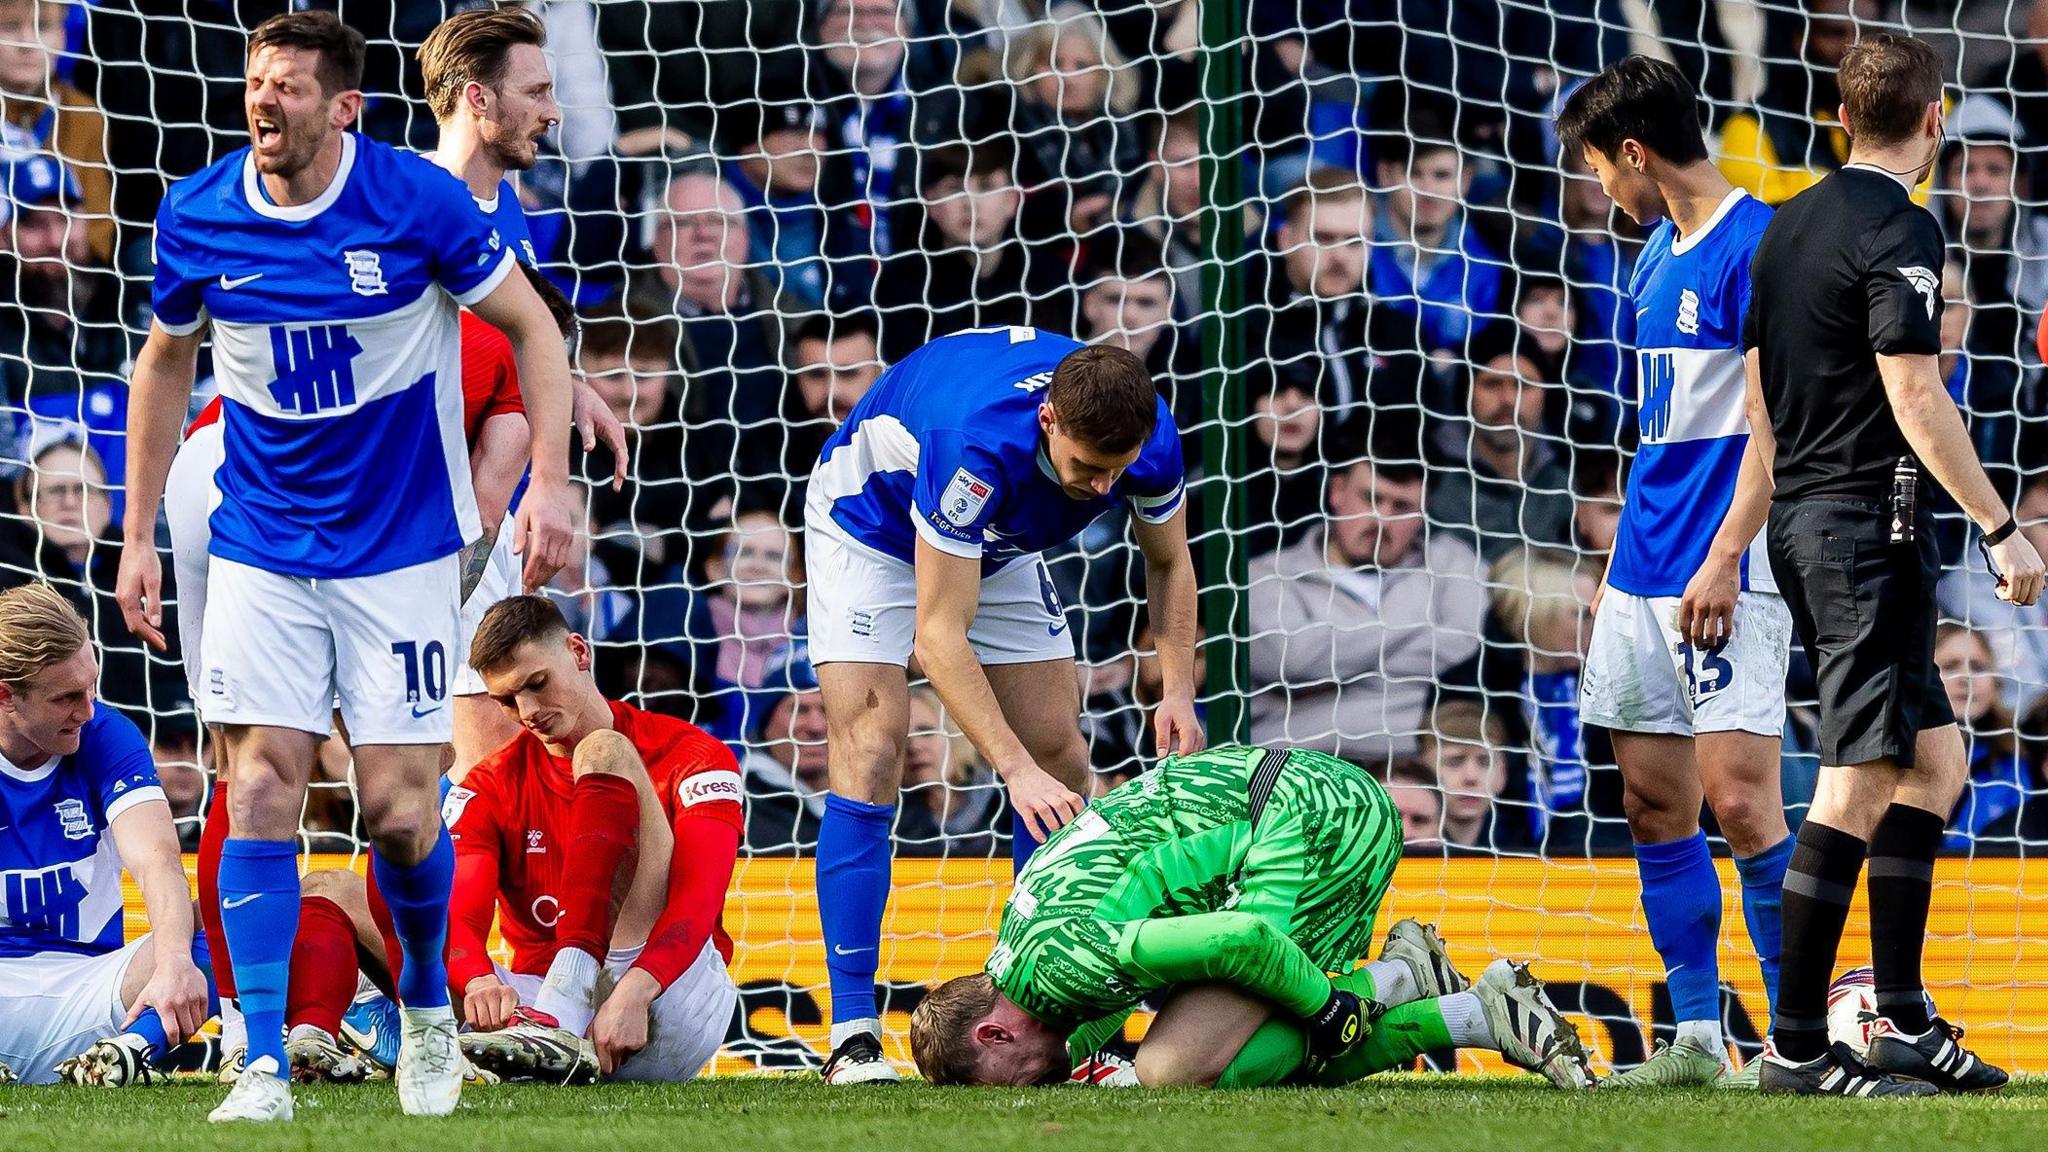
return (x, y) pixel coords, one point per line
(1682, 902)
(259, 909)
(1022, 843)
(149, 1026)
(853, 891)
(1763, 880)
(418, 899)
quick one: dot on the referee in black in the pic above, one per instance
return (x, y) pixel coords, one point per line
(1843, 331)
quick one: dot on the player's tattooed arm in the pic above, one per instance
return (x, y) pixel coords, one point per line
(476, 559)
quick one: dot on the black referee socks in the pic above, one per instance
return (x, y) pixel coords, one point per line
(1819, 883)
(1901, 888)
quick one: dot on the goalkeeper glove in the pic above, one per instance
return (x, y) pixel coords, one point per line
(1338, 1025)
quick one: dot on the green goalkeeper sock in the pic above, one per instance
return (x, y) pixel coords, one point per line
(1396, 1040)
(1277, 1052)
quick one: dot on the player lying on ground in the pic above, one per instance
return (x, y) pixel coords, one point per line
(929, 508)
(79, 801)
(1238, 877)
(604, 837)
(1686, 668)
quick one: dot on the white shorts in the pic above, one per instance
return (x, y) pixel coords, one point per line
(1641, 676)
(689, 1019)
(500, 579)
(863, 607)
(285, 651)
(54, 1005)
(190, 496)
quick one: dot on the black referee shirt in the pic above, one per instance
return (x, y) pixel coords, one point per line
(1848, 270)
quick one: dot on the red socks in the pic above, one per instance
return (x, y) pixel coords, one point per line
(604, 835)
(323, 971)
(213, 835)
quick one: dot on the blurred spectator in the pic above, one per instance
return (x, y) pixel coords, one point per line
(1542, 599)
(784, 762)
(1596, 504)
(1072, 99)
(1352, 626)
(952, 802)
(1465, 747)
(42, 114)
(1168, 203)
(591, 599)
(796, 191)
(970, 268)
(1983, 383)
(64, 354)
(2001, 246)
(676, 66)
(682, 468)
(174, 748)
(1427, 260)
(65, 533)
(885, 90)
(1284, 492)
(731, 337)
(1592, 249)
(1792, 137)
(1411, 784)
(1498, 479)
(2017, 637)
(836, 359)
(1320, 326)
(1159, 39)
(1128, 299)
(1994, 796)
(754, 606)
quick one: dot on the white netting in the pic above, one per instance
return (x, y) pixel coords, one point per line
(780, 196)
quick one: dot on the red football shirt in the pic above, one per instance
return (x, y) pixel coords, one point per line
(510, 821)
(490, 380)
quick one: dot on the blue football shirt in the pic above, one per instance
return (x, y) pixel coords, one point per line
(60, 874)
(946, 446)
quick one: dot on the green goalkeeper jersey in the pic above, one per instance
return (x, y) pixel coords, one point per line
(1165, 881)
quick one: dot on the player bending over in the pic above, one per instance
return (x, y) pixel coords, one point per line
(927, 513)
(331, 268)
(605, 838)
(79, 801)
(1690, 639)
(1239, 878)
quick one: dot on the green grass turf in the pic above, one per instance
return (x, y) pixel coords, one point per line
(1412, 1114)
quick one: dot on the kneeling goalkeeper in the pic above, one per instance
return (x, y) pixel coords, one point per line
(1235, 880)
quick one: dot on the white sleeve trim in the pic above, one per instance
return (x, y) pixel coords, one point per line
(946, 544)
(133, 797)
(169, 328)
(1158, 509)
(490, 283)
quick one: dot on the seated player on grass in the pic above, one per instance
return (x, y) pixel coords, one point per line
(605, 837)
(1233, 880)
(79, 801)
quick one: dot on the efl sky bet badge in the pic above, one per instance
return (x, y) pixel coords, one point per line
(965, 497)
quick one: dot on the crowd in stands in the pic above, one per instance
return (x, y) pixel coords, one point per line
(1435, 363)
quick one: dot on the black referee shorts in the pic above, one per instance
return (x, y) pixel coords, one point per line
(1864, 608)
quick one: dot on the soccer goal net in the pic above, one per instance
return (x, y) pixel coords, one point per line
(1391, 320)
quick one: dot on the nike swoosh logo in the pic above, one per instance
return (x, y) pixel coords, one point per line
(238, 281)
(418, 715)
(238, 901)
(1642, 312)
(838, 951)
(1055, 629)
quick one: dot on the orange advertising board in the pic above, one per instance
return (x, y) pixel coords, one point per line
(1579, 921)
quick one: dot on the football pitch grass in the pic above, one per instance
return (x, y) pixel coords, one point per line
(1408, 1113)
